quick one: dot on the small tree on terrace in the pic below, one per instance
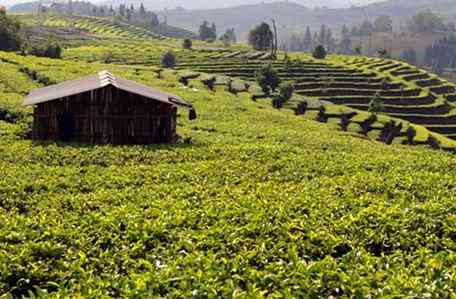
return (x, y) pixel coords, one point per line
(268, 78)
(168, 59)
(261, 37)
(319, 52)
(376, 104)
(187, 44)
(286, 91)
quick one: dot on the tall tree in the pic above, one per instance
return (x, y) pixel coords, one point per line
(345, 44)
(10, 38)
(261, 37)
(330, 41)
(142, 10)
(322, 35)
(383, 24)
(366, 28)
(307, 42)
(207, 32)
(426, 21)
(228, 37)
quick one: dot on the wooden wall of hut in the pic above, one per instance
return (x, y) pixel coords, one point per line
(106, 115)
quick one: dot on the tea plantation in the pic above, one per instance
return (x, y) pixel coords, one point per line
(253, 202)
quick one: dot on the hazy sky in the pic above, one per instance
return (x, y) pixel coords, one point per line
(191, 4)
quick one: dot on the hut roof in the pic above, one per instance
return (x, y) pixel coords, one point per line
(100, 80)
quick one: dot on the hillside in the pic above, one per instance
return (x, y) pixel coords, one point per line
(199, 4)
(253, 201)
(295, 17)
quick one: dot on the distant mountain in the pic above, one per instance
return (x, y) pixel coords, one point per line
(213, 4)
(290, 16)
(294, 17)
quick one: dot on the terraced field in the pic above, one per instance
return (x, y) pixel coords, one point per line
(343, 83)
(253, 202)
(103, 27)
(348, 82)
(407, 93)
(434, 98)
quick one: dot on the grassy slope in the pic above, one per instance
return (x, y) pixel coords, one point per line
(262, 203)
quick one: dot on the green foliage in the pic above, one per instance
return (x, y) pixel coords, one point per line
(207, 32)
(261, 37)
(301, 108)
(252, 202)
(433, 142)
(383, 23)
(10, 38)
(49, 49)
(268, 78)
(168, 59)
(187, 44)
(366, 125)
(319, 52)
(376, 104)
(426, 21)
(383, 53)
(411, 134)
(286, 90)
(228, 37)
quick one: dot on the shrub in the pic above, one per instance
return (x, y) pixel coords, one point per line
(268, 78)
(210, 82)
(286, 91)
(158, 72)
(321, 116)
(286, 62)
(301, 108)
(187, 44)
(366, 125)
(433, 142)
(383, 53)
(185, 77)
(376, 104)
(51, 50)
(390, 131)
(168, 59)
(230, 87)
(411, 133)
(277, 102)
(344, 122)
(319, 52)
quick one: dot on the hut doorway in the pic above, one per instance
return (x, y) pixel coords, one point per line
(65, 126)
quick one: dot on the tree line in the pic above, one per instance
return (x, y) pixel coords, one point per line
(11, 39)
(208, 32)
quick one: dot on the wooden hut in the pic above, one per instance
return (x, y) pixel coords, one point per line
(104, 109)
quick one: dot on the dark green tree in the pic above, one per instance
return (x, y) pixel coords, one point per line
(187, 44)
(268, 78)
(319, 52)
(376, 104)
(207, 32)
(383, 24)
(261, 37)
(10, 38)
(228, 37)
(168, 59)
(142, 10)
(426, 21)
